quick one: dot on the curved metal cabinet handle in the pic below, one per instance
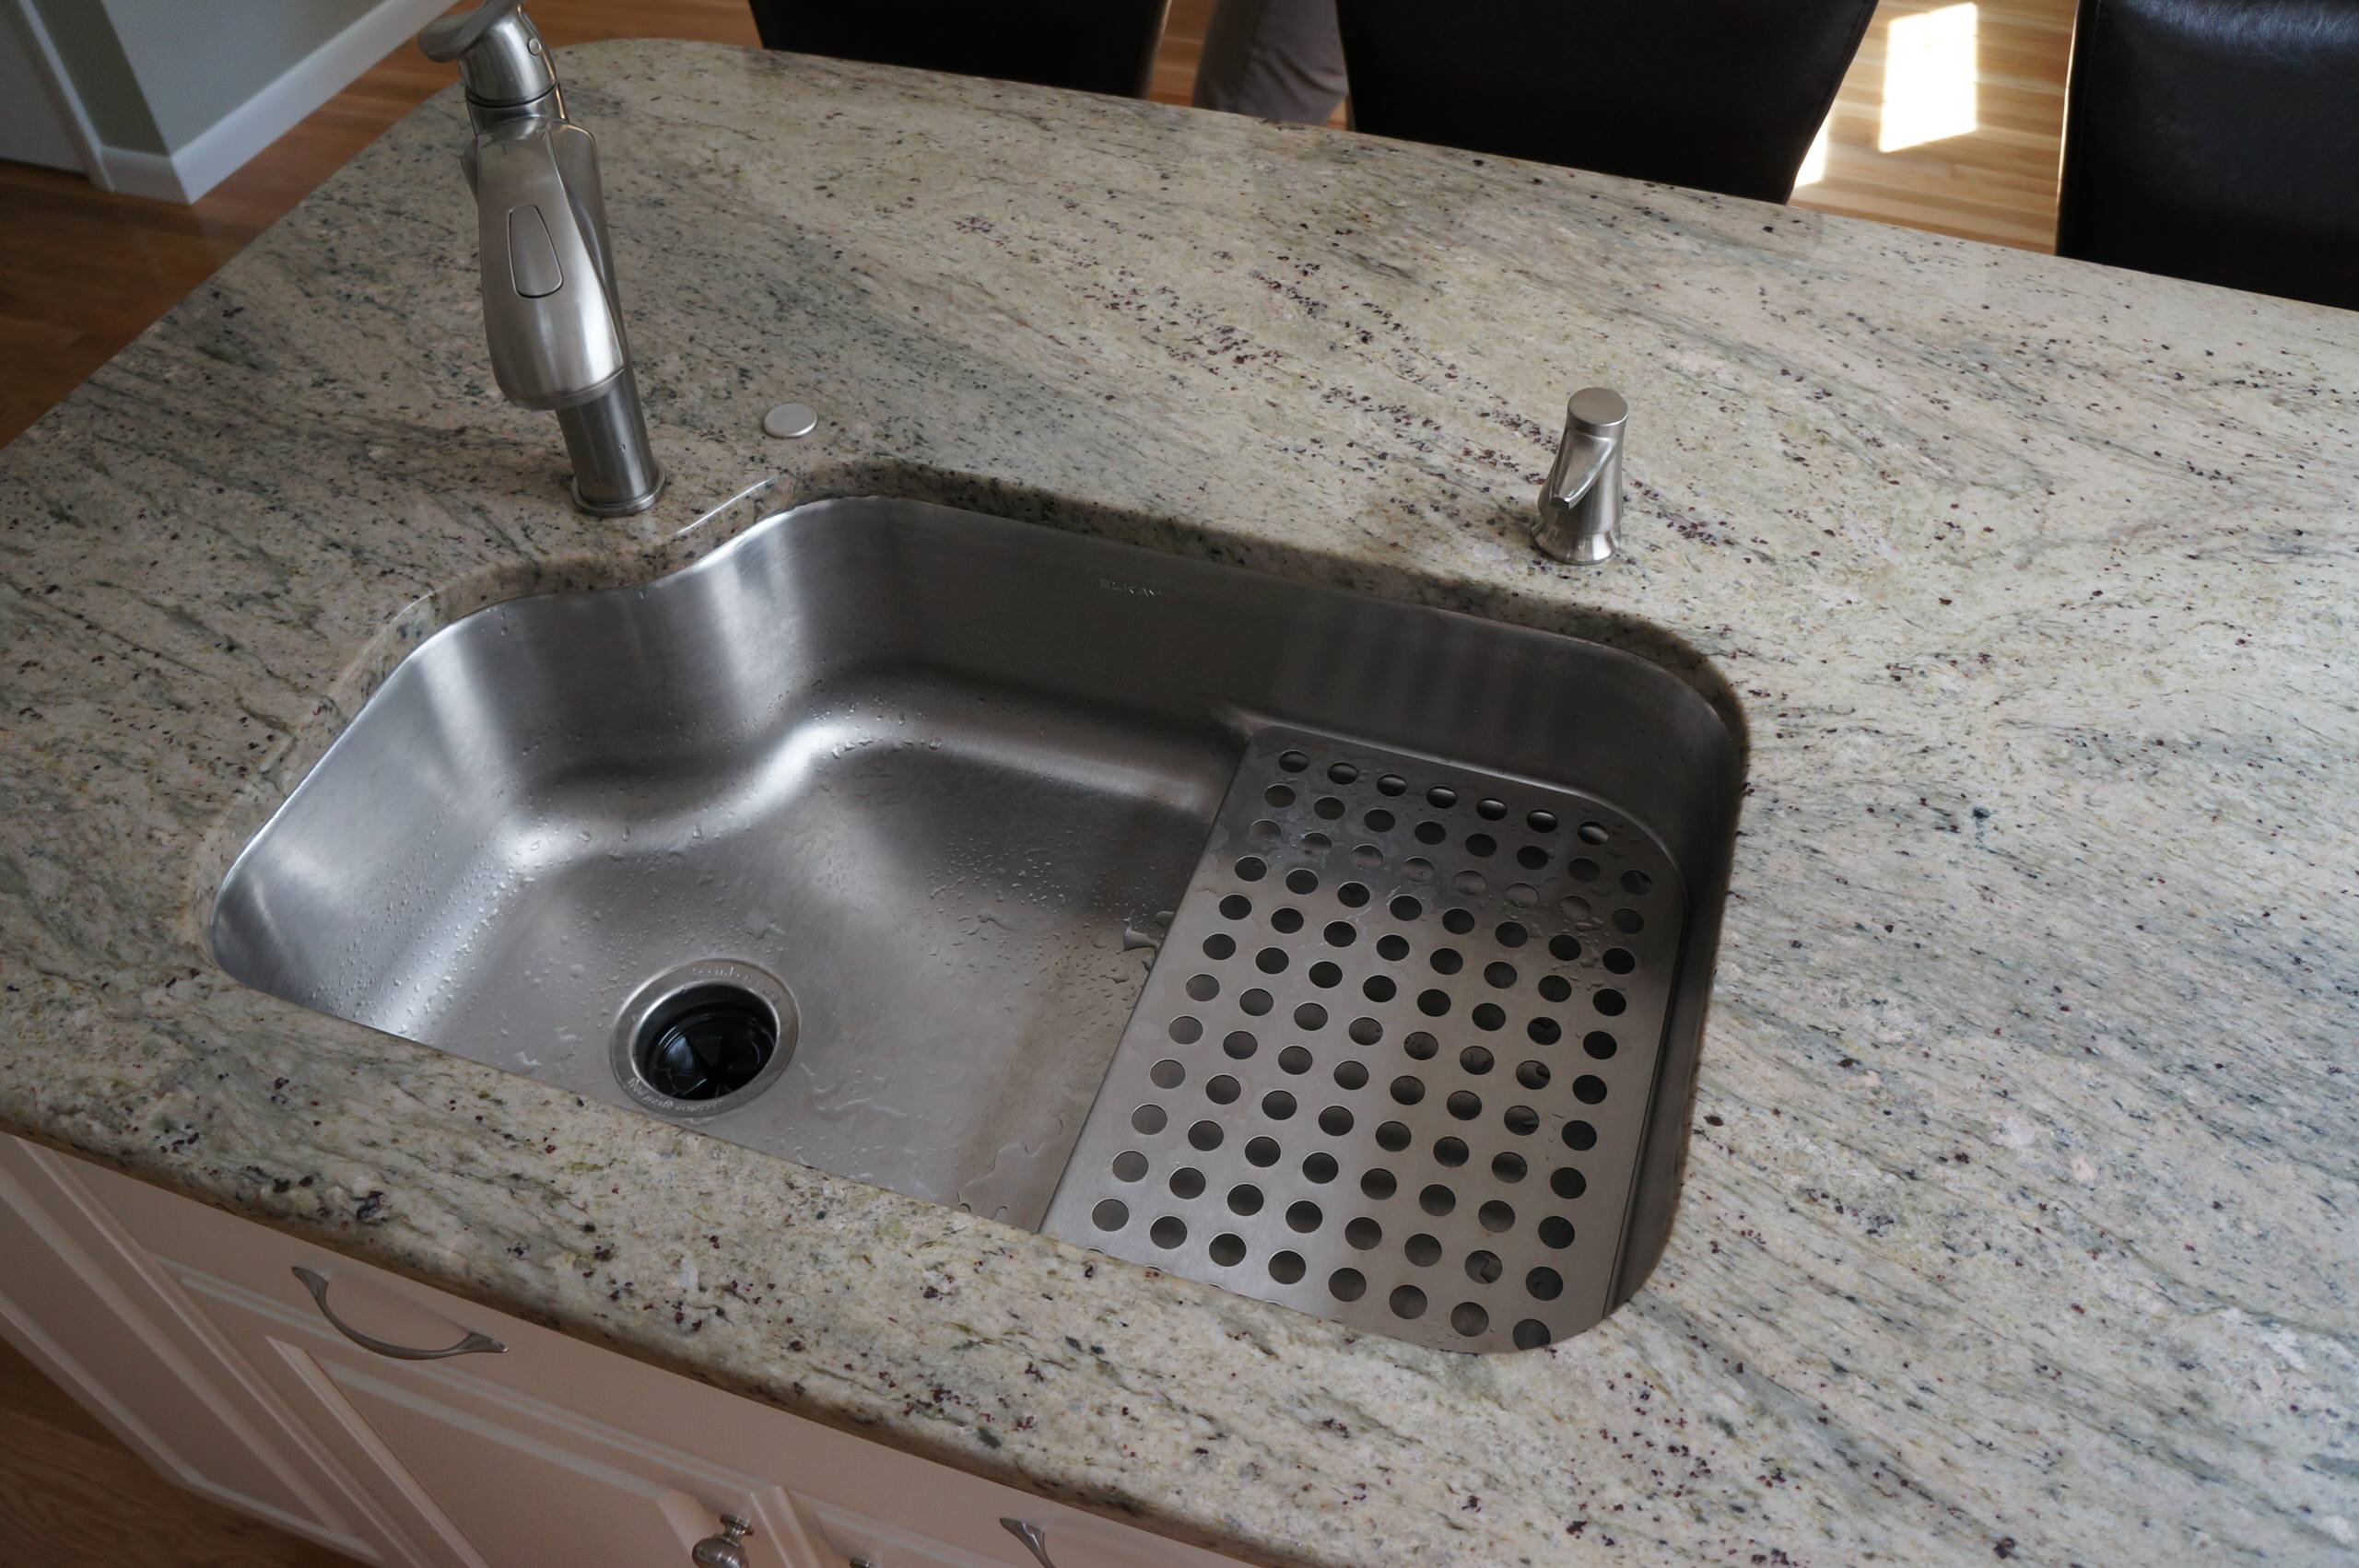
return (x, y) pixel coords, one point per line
(468, 1346)
(1033, 1537)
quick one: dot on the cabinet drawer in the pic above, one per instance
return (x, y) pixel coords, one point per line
(921, 1535)
(854, 1500)
(486, 1477)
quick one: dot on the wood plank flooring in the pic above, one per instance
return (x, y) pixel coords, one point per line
(1996, 182)
(70, 1495)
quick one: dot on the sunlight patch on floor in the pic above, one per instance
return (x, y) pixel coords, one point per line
(1929, 79)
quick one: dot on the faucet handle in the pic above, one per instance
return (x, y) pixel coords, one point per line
(500, 56)
(446, 37)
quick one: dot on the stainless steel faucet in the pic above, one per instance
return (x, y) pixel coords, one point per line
(550, 309)
(1580, 506)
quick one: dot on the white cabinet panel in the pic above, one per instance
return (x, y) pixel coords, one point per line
(488, 1476)
(875, 1543)
(955, 1521)
(91, 1311)
(557, 1448)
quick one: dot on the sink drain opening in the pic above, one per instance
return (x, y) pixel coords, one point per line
(704, 1038)
(706, 1041)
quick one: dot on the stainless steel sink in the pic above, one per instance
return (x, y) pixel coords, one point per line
(856, 840)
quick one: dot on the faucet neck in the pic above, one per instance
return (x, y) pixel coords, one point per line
(486, 118)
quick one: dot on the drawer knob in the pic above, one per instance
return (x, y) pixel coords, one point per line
(1033, 1537)
(471, 1345)
(723, 1550)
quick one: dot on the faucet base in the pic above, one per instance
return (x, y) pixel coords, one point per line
(1565, 541)
(615, 470)
(629, 507)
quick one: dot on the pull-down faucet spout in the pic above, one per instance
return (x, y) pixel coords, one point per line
(551, 313)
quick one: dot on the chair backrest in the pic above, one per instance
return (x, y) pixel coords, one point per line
(1722, 95)
(2217, 140)
(1094, 45)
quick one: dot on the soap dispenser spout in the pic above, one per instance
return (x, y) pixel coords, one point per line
(1580, 506)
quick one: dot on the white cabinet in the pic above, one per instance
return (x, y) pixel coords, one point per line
(551, 1452)
(481, 1475)
(91, 1311)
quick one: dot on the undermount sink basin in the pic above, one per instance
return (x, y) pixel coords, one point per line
(856, 842)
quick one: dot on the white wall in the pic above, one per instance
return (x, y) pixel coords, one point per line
(198, 61)
(96, 71)
(179, 93)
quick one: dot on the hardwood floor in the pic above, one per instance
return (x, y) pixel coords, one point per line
(71, 1495)
(1996, 180)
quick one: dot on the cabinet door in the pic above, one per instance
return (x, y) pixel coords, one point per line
(486, 1476)
(469, 1451)
(92, 1311)
(956, 1521)
(920, 1537)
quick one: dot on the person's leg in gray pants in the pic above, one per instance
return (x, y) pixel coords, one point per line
(1279, 59)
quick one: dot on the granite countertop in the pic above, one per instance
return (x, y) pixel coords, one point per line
(2017, 1216)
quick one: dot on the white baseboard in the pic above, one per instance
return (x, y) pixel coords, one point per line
(224, 147)
(139, 174)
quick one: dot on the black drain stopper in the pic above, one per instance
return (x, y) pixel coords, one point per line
(705, 1043)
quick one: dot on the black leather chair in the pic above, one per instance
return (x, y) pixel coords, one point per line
(2217, 140)
(1095, 45)
(1722, 95)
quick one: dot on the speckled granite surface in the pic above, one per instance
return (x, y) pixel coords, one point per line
(2017, 1219)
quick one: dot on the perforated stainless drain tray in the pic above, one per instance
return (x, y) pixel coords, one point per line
(1395, 1063)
